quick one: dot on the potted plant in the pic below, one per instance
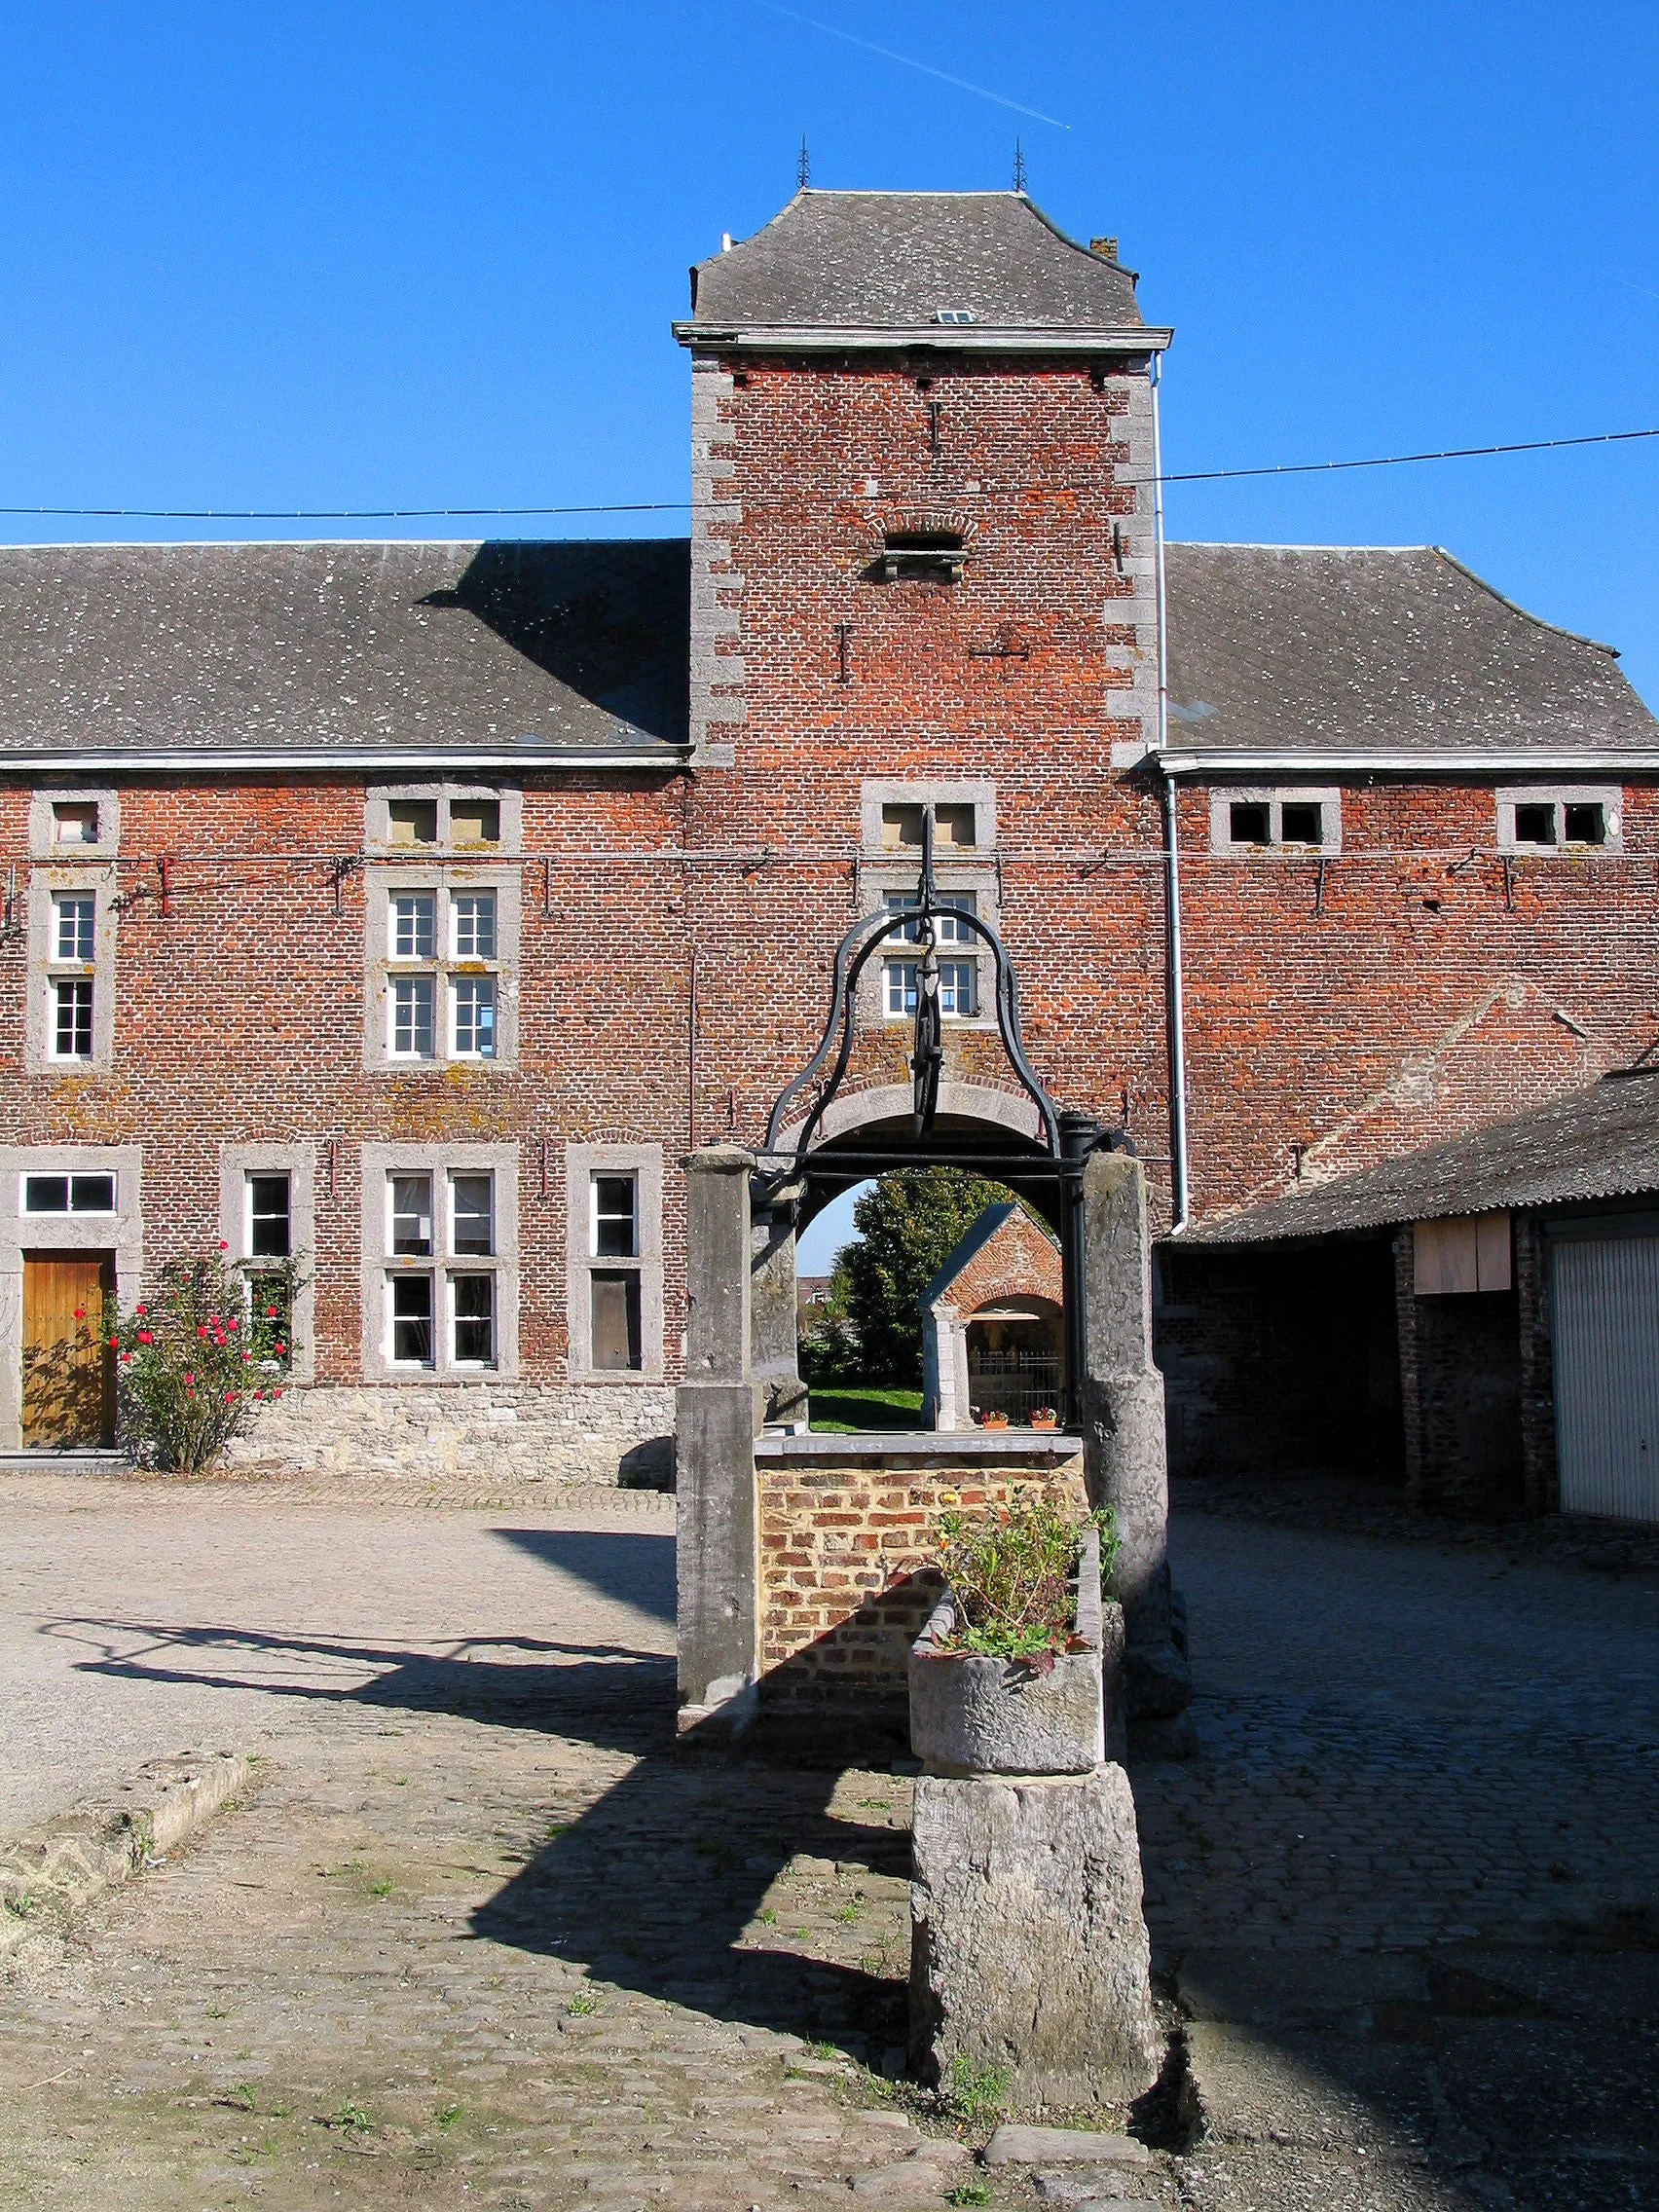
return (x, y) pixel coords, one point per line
(1045, 1417)
(991, 1418)
(1007, 1676)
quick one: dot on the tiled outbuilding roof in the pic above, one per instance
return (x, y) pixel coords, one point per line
(1602, 1143)
(1353, 651)
(896, 261)
(300, 650)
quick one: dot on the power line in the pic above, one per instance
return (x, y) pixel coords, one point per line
(681, 507)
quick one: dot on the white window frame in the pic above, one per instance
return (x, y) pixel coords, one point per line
(1610, 798)
(70, 1210)
(238, 1164)
(584, 1164)
(1275, 798)
(381, 1266)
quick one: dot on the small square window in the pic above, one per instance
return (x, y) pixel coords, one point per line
(1302, 822)
(269, 1226)
(72, 1018)
(475, 821)
(615, 1322)
(953, 826)
(411, 1018)
(1586, 822)
(74, 822)
(473, 1307)
(474, 1028)
(412, 1216)
(1249, 822)
(412, 822)
(45, 1194)
(411, 1321)
(472, 925)
(74, 918)
(616, 1217)
(1535, 824)
(91, 1194)
(472, 1199)
(414, 925)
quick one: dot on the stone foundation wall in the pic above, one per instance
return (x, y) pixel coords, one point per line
(845, 1587)
(599, 1433)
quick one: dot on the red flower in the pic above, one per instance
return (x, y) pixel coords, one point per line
(143, 1309)
(271, 1312)
(223, 1246)
(230, 1397)
(113, 1342)
(202, 1328)
(281, 1349)
(188, 1380)
(145, 1338)
(80, 1312)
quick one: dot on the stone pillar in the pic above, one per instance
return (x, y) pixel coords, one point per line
(714, 1421)
(774, 1311)
(944, 1368)
(1124, 1459)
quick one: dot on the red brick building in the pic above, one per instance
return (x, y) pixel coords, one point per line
(418, 905)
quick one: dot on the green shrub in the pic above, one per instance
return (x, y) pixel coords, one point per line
(195, 1361)
(1011, 1572)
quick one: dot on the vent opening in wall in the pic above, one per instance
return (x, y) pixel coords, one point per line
(1249, 823)
(930, 556)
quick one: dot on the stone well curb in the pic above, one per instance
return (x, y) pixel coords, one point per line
(62, 1865)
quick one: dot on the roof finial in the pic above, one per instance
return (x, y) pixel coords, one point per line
(1019, 167)
(803, 167)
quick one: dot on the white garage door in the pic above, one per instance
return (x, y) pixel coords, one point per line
(1607, 1375)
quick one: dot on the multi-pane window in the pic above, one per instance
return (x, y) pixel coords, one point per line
(957, 979)
(74, 916)
(412, 1030)
(447, 1009)
(954, 826)
(956, 993)
(71, 946)
(71, 1018)
(616, 1202)
(269, 1218)
(268, 1237)
(443, 819)
(441, 1314)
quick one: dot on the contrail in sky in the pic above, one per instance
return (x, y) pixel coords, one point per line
(906, 61)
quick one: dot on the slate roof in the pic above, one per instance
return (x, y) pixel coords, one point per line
(299, 648)
(1602, 1143)
(889, 261)
(1354, 650)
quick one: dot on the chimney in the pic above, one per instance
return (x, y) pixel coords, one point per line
(1103, 250)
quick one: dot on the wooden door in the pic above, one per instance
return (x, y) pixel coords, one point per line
(68, 1381)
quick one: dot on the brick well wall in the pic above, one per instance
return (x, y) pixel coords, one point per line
(846, 1580)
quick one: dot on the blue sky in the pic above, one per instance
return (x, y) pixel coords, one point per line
(375, 255)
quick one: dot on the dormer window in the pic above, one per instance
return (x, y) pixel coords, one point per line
(934, 556)
(954, 319)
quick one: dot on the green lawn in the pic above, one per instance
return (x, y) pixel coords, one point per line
(843, 1412)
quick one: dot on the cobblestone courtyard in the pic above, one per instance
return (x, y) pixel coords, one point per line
(473, 1938)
